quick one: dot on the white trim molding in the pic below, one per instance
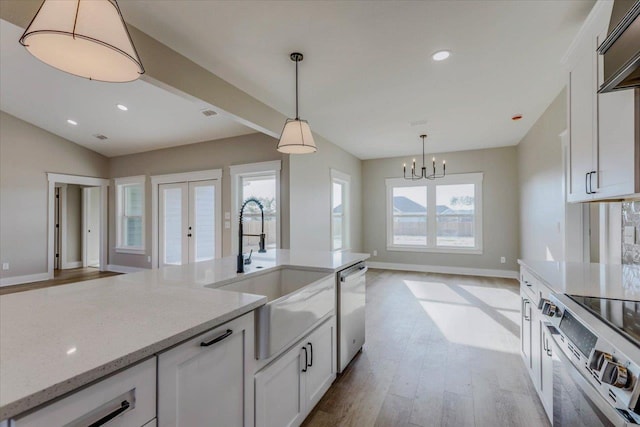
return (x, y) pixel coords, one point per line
(18, 280)
(202, 175)
(237, 172)
(87, 181)
(72, 264)
(464, 271)
(124, 269)
(119, 182)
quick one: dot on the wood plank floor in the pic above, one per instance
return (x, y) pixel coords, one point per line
(441, 350)
(61, 277)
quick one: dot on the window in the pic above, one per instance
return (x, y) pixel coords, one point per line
(339, 210)
(130, 199)
(444, 215)
(260, 181)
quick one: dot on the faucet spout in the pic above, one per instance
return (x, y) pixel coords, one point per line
(240, 259)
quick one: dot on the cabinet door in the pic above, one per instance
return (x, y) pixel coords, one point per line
(525, 331)
(280, 390)
(202, 382)
(546, 372)
(581, 123)
(536, 344)
(322, 364)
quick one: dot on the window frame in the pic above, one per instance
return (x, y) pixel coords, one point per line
(238, 172)
(431, 187)
(120, 183)
(344, 180)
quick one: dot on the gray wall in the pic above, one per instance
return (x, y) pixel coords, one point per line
(541, 176)
(74, 223)
(219, 154)
(310, 196)
(27, 153)
(500, 209)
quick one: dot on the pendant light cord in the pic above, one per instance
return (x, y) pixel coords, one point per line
(75, 20)
(297, 115)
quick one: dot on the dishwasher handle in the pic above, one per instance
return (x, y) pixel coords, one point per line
(354, 273)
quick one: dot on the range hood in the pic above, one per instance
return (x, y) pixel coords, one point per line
(621, 48)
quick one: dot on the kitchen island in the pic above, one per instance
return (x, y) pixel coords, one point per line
(56, 340)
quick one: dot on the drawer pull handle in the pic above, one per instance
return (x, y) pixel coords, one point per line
(102, 421)
(306, 359)
(215, 340)
(311, 351)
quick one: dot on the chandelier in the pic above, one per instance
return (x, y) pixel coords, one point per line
(423, 170)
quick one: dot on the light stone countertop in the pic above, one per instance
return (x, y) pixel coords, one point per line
(614, 281)
(55, 340)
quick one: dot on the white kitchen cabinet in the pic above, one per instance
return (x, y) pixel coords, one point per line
(208, 380)
(289, 387)
(545, 389)
(604, 149)
(525, 330)
(129, 396)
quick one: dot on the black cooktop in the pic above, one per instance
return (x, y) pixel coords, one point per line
(623, 316)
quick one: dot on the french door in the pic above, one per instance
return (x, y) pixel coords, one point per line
(187, 222)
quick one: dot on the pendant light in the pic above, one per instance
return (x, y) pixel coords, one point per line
(423, 174)
(86, 38)
(296, 137)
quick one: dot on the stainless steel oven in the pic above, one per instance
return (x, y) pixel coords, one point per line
(595, 369)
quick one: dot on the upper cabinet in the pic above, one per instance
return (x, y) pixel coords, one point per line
(604, 129)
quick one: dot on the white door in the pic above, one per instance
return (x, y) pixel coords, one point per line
(173, 227)
(188, 222)
(207, 380)
(322, 366)
(92, 227)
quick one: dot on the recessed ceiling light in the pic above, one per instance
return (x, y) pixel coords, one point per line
(72, 122)
(122, 107)
(441, 55)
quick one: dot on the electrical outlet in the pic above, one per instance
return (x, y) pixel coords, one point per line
(148, 259)
(227, 225)
(5, 265)
(375, 252)
(503, 260)
(227, 215)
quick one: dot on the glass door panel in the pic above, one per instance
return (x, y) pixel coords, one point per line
(202, 220)
(174, 249)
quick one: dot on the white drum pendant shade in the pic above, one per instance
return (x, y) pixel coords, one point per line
(296, 138)
(87, 38)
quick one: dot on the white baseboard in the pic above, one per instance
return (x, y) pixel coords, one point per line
(73, 264)
(17, 280)
(465, 271)
(123, 268)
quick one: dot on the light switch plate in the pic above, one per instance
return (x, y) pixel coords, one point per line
(629, 235)
(227, 224)
(227, 215)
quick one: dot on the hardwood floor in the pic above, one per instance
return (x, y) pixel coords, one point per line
(61, 277)
(440, 350)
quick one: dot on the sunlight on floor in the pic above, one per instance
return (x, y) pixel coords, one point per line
(482, 317)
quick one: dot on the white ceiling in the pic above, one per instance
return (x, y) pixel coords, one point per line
(46, 97)
(367, 72)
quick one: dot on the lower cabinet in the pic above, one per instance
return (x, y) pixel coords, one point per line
(546, 371)
(208, 380)
(287, 389)
(125, 399)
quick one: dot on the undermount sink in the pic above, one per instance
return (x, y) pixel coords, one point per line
(297, 299)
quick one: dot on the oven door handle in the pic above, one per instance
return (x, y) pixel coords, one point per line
(587, 389)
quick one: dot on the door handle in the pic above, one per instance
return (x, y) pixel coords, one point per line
(310, 351)
(215, 340)
(306, 359)
(189, 235)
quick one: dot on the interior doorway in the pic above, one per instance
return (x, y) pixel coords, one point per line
(77, 235)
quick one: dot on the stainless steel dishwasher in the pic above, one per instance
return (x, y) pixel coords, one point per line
(351, 294)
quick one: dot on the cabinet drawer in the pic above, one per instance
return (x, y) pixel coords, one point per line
(130, 393)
